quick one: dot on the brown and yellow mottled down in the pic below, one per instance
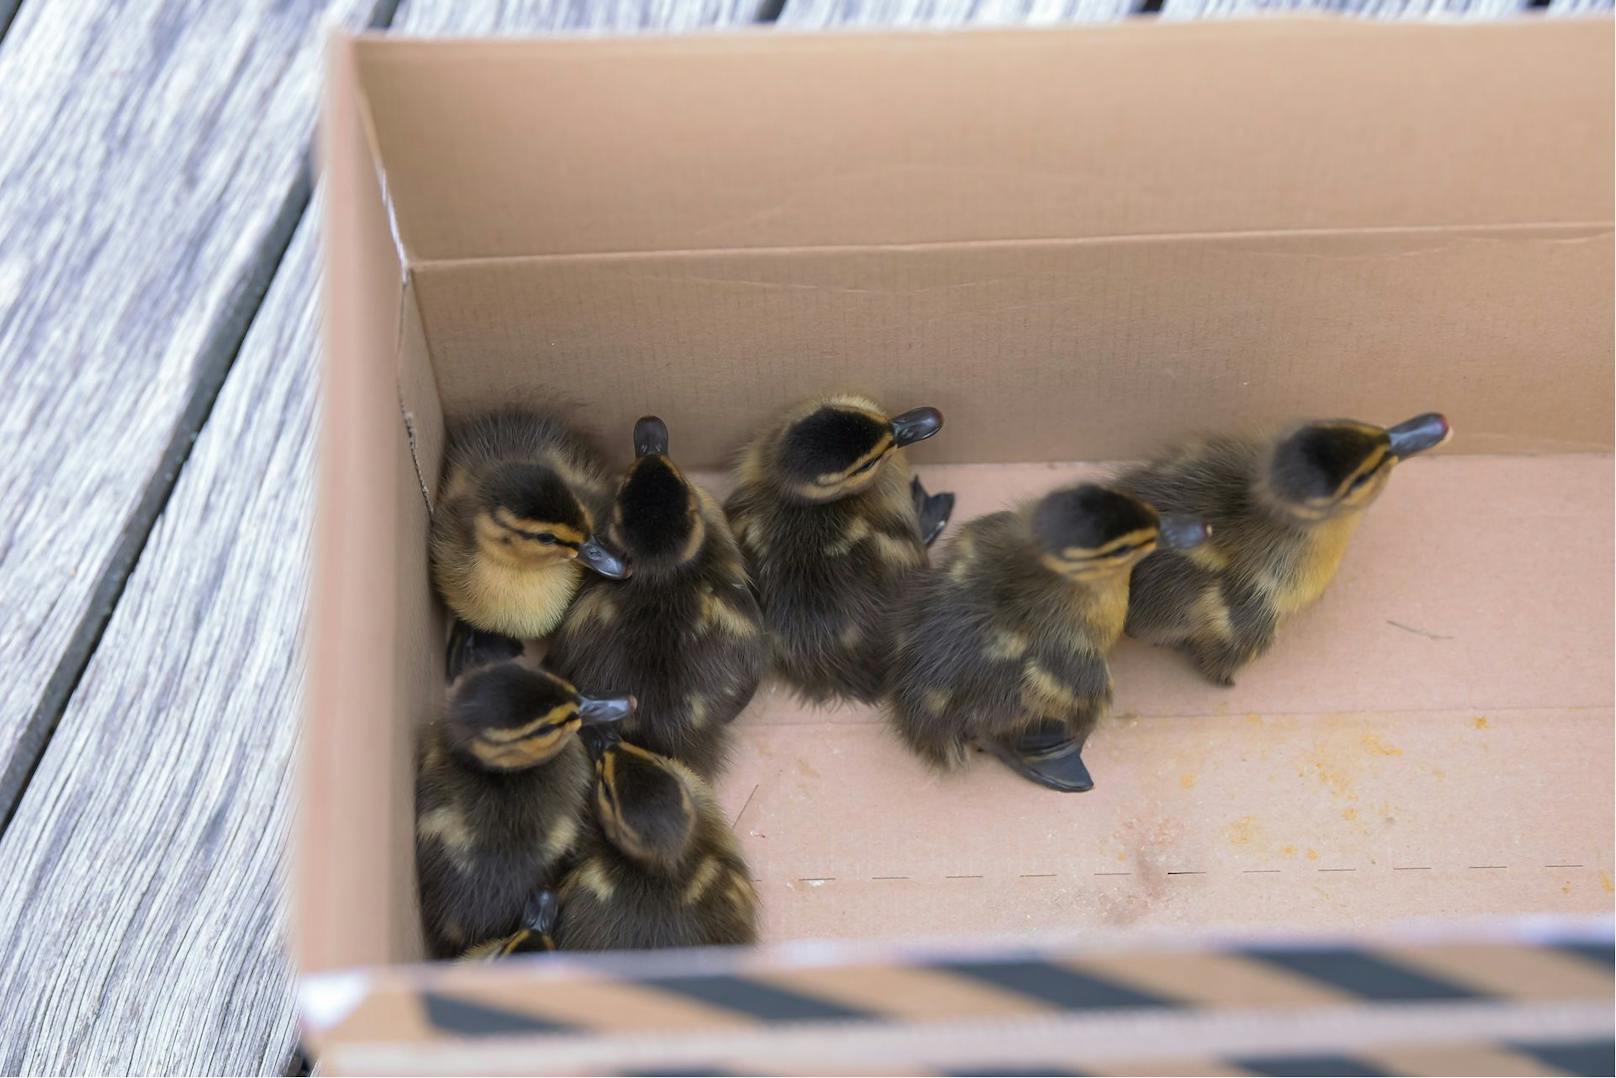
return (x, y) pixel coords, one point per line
(501, 799)
(1012, 627)
(659, 867)
(826, 518)
(684, 633)
(1282, 511)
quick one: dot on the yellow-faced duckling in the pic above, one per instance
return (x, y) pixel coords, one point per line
(830, 525)
(1281, 513)
(684, 634)
(514, 529)
(536, 935)
(500, 798)
(1003, 645)
(661, 867)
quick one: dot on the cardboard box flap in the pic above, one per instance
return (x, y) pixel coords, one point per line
(502, 148)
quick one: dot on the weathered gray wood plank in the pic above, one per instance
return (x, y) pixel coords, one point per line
(151, 172)
(142, 865)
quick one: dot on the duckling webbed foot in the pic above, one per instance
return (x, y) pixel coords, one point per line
(1047, 754)
(470, 648)
(934, 510)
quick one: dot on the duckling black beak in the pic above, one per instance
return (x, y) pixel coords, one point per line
(540, 914)
(1181, 532)
(603, 561)
(1419, 434)
(606, 710)
(916, 425)
(601, 719)
(650, 436)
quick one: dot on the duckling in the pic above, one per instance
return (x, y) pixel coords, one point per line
(684, 634)
(500, 796)
(830, 526)
(536, 935)
(1003, 644)
(514, 529)
(1281, 511)
(660, 868)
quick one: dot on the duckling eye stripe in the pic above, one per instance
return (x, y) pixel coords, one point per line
(553, 717)
(880, 450)
(1368, 467)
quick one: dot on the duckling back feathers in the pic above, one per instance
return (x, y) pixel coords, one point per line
(1268, 556)
(827, 572)
(992, 640)
(684, 634)
(659, 867)
(486, 838)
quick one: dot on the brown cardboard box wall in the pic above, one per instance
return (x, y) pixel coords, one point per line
(1078, 244)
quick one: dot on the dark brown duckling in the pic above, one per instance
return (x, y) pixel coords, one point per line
(1003, 645)
(661, 867)
(500, 796)
(684, 634)
(536, 936)
(830, 524)
(1281, 513)
(514, 529)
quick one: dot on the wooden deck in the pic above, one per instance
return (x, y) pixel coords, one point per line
(158, 332)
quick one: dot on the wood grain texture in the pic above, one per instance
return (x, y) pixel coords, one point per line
(143, 863)
(151, 171)
(144, 857)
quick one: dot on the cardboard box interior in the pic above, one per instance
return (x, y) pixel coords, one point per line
(999, 224)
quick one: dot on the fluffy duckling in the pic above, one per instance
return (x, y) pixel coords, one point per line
(684, 635)
(500, 795)
(1003, 645)
(830, 526)
(514, 529)
(536, 935)
(661, 867)
(1281, 513)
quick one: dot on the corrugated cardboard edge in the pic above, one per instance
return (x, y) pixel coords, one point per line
(354, 701)
(837, 1007)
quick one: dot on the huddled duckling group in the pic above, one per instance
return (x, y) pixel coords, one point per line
(567, 805)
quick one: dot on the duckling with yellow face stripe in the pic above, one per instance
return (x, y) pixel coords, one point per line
(660, 868)
(684, 634)
(1003, 645)
(500, 799)
(514, 530)
(830, 523)
(1281, 512)
(536, 936)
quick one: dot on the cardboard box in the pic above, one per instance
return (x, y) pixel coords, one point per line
(1079, 244)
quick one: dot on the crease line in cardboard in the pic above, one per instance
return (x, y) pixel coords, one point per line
(405, 275)
(1528, 231)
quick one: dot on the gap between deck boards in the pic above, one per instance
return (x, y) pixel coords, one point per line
(215, 360)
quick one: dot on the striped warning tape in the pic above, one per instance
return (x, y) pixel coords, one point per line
(1494, 998)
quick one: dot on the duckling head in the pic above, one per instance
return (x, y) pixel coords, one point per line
(508, 717)
(527, 517)
(647, 805)
(1089, 532)
(656, 519)
(1323, 469)
(836, 448)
